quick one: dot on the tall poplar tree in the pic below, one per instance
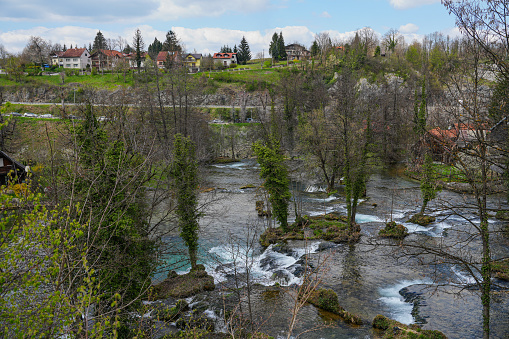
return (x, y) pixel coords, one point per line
(184, 172)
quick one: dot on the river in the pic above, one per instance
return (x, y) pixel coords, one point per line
(370, 277)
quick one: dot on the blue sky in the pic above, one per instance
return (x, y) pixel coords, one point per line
(206, 25)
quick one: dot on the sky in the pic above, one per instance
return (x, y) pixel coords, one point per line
(204, 26)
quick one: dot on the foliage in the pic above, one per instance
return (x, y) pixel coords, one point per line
(47, 280)
(327, 299)
(185, 181)
(138, 45)
(420, 110)
(244, 54)
(277, 47)
(154, 48)
(429, 187)
(393, 230)
(172, 42)
(109, 189)
(99, 42)
(274, 171)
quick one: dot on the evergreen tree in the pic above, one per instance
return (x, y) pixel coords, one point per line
(184, 172)
(226, 49)
(429, 187)
(138, 45)
(89, 47)
(235, 50)
(274, 47)
(172, 43)
(244, 53)
(64, 48)
(154, 48)
(315, 49)
(420, 110)
(281, 48)
(99, 42)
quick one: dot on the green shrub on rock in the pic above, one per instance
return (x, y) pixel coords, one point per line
(421, 219)
(393, 230)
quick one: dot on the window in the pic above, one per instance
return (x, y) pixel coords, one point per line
(67, 60)
(75, 59)
(75, 65)
(1, 162)
(67, 65)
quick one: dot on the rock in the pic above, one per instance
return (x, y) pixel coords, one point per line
(422, 219)
(393, 230)
(325, 245)
(281, 276)
(282, 248)
(327, 300)
(196, 320)
(501, 269)
(185, 285)
(200, 306)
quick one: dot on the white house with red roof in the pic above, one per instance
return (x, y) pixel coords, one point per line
(78, 58)
(226, 59)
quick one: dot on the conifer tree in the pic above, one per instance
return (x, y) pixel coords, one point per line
(172, 43)
(99, 42)
(154, 48)
(244, 53)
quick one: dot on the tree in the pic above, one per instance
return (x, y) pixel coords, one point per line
(172, 43)
(391, 40)
(274, 47)
(277, 47)
(138, 45)
(315, 49)
(273, 170)
(420, 110)
(107, 180)
(281, 47)
(226, 49)
(184, 172)
(244, 54)
(99, 42)
(428, 182)
(37, 51)
(154, 48)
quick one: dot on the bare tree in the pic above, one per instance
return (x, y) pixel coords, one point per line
(37, 50)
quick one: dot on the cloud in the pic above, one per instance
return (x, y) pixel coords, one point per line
(406, 4)
(408, 28)
(115, 11)
(325, 15)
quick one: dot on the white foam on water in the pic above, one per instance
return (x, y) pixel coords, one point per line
(462, 277)
(328, 199)
(362, 218)
(321, 212)
(233, 165)
(400, 310)
(435, 231)
(262, 267)
(315, 188)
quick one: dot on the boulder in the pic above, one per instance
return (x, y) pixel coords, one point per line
(422, 219)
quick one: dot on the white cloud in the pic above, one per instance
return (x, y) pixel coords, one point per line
(408, 28)
(117, 11)
(325, 15)
(406, 4)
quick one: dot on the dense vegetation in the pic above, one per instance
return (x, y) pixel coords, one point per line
(80, 235)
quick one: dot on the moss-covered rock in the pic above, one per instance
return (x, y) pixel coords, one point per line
(502, 215)
(422, 219)
(327, 300)
(225, 160)
(183, 286)
(501, 269)
(393, 230)
(396, 330)
(260, 209)
(172, 313)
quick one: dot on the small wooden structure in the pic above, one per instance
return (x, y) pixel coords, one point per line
(10, 168)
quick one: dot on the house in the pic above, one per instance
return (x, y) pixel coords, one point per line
(297, 52)
(105, 59)
(192, 62)
(78, 58)
(168, 59)
(131, 59)
(225, 59)
(56, 59)
(10, 168)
